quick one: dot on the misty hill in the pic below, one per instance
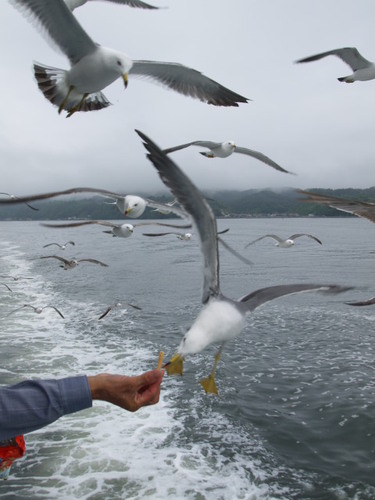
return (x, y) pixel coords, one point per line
(249, 203)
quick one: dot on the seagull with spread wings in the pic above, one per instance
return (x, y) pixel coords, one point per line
(93, 67)
(222, 318)
(72, 263)
(73, 4)
(118, 305)
(287, 243)
(61, 246)
(14, 197)
(362, 68)
(37, 310)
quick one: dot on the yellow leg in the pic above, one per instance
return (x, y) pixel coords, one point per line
(209, 384)
(77, 107)
(175, 365)
(62, 105)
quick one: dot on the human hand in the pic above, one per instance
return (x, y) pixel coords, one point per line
(130, 393)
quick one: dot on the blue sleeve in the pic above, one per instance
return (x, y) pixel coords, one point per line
(32, 404)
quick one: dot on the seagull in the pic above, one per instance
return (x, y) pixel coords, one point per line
(14, 197)
(166, 211)
(6, 286)
(362, 209)
(368, 302)
(118, 305)
(120, 230)
(130, 206)
(180, 236)
(94, 67)
(63, 247)
(221, 319)
(73, 4)
(362, 68)
(16, 278)
(225, 149)
(289, 242)
(38, 310)
(70, 264)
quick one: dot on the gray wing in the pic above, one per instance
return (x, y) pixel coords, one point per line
(368, 302)
(93, 261)
(55, 19)
(187, 81)
(56, 257)
(15, 197)
(261, 157)
(105, 312)
(82, 223)
(161, 234)
(177, 226)
(273, 236)
(53, 194)
(255, 299)
(349, 55)
(193, 202)
(203, 144)
(55, 308)
(6, 286)
(358, 208)
(19, 308)
(72, 4)
(51, 244)
(164, 207)
(70, 243)
(294, 236)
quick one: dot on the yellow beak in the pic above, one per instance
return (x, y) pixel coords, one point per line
(125, 78)
(175, 365)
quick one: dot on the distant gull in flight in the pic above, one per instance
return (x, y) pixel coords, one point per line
(16, 278)
(73, 4)
(37, 310)
(225, 149)
(63, 246)
(94, 67)
(362, 68)
(118, 305)
(120, 230)
(130, 206)
(72, 263)
(180, 236)
(13, 197)
(222, 319)
(280, 242)
(359, 208)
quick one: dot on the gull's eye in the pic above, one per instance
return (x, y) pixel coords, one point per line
(119, 63)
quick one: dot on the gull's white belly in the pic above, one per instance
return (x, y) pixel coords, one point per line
(365, 74)
(219, 321)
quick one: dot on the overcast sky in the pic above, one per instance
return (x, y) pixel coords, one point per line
(300, 115)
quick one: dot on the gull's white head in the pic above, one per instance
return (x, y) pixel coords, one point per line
(123, 231)
(285, 244)
(229, 145)
(118, 63)
(134, 206)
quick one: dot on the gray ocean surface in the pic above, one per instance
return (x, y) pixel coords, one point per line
(295, 415)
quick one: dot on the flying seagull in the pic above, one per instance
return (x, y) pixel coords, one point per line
(16, 278)
(130, 206)
(280, 242)
(70, 264)
(63, 246)
(120, 230)
(225, 149)
(222, 318)
(368, 302)
(118, 305)
(73, 4)
(359, 208)
(37, 310)
(362, 68)
(14, 197)
(94, 67)
(180, 236)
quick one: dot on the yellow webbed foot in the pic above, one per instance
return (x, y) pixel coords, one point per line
(209, 385)
(175, 365)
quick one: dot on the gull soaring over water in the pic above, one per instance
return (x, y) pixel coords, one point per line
(94, 67)
(362, 68)
(61, 246)
(72, 263)
(14, 197)
(222, 318)
(37, 310)
(129, 205)
(119, 305)
(280, 242)
(73, 4)
(180, 236)
(225, 149)
(119, 230)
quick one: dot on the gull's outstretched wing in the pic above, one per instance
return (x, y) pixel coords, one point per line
(273, 236)
(197, 207)
(55, 308)
(187, 81)
(6, 286)
(73, 4)
(55, 257)
(106, 312)
(51, 244)
(53, 194)
(358, 208)
(203, 144)
(93, 261)
(82, 223)
(368, 302)
(12, 196)
(294, 236)
(349, 55)
(61, 26)
(255, 299)
(263, 158)
(164, 208)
